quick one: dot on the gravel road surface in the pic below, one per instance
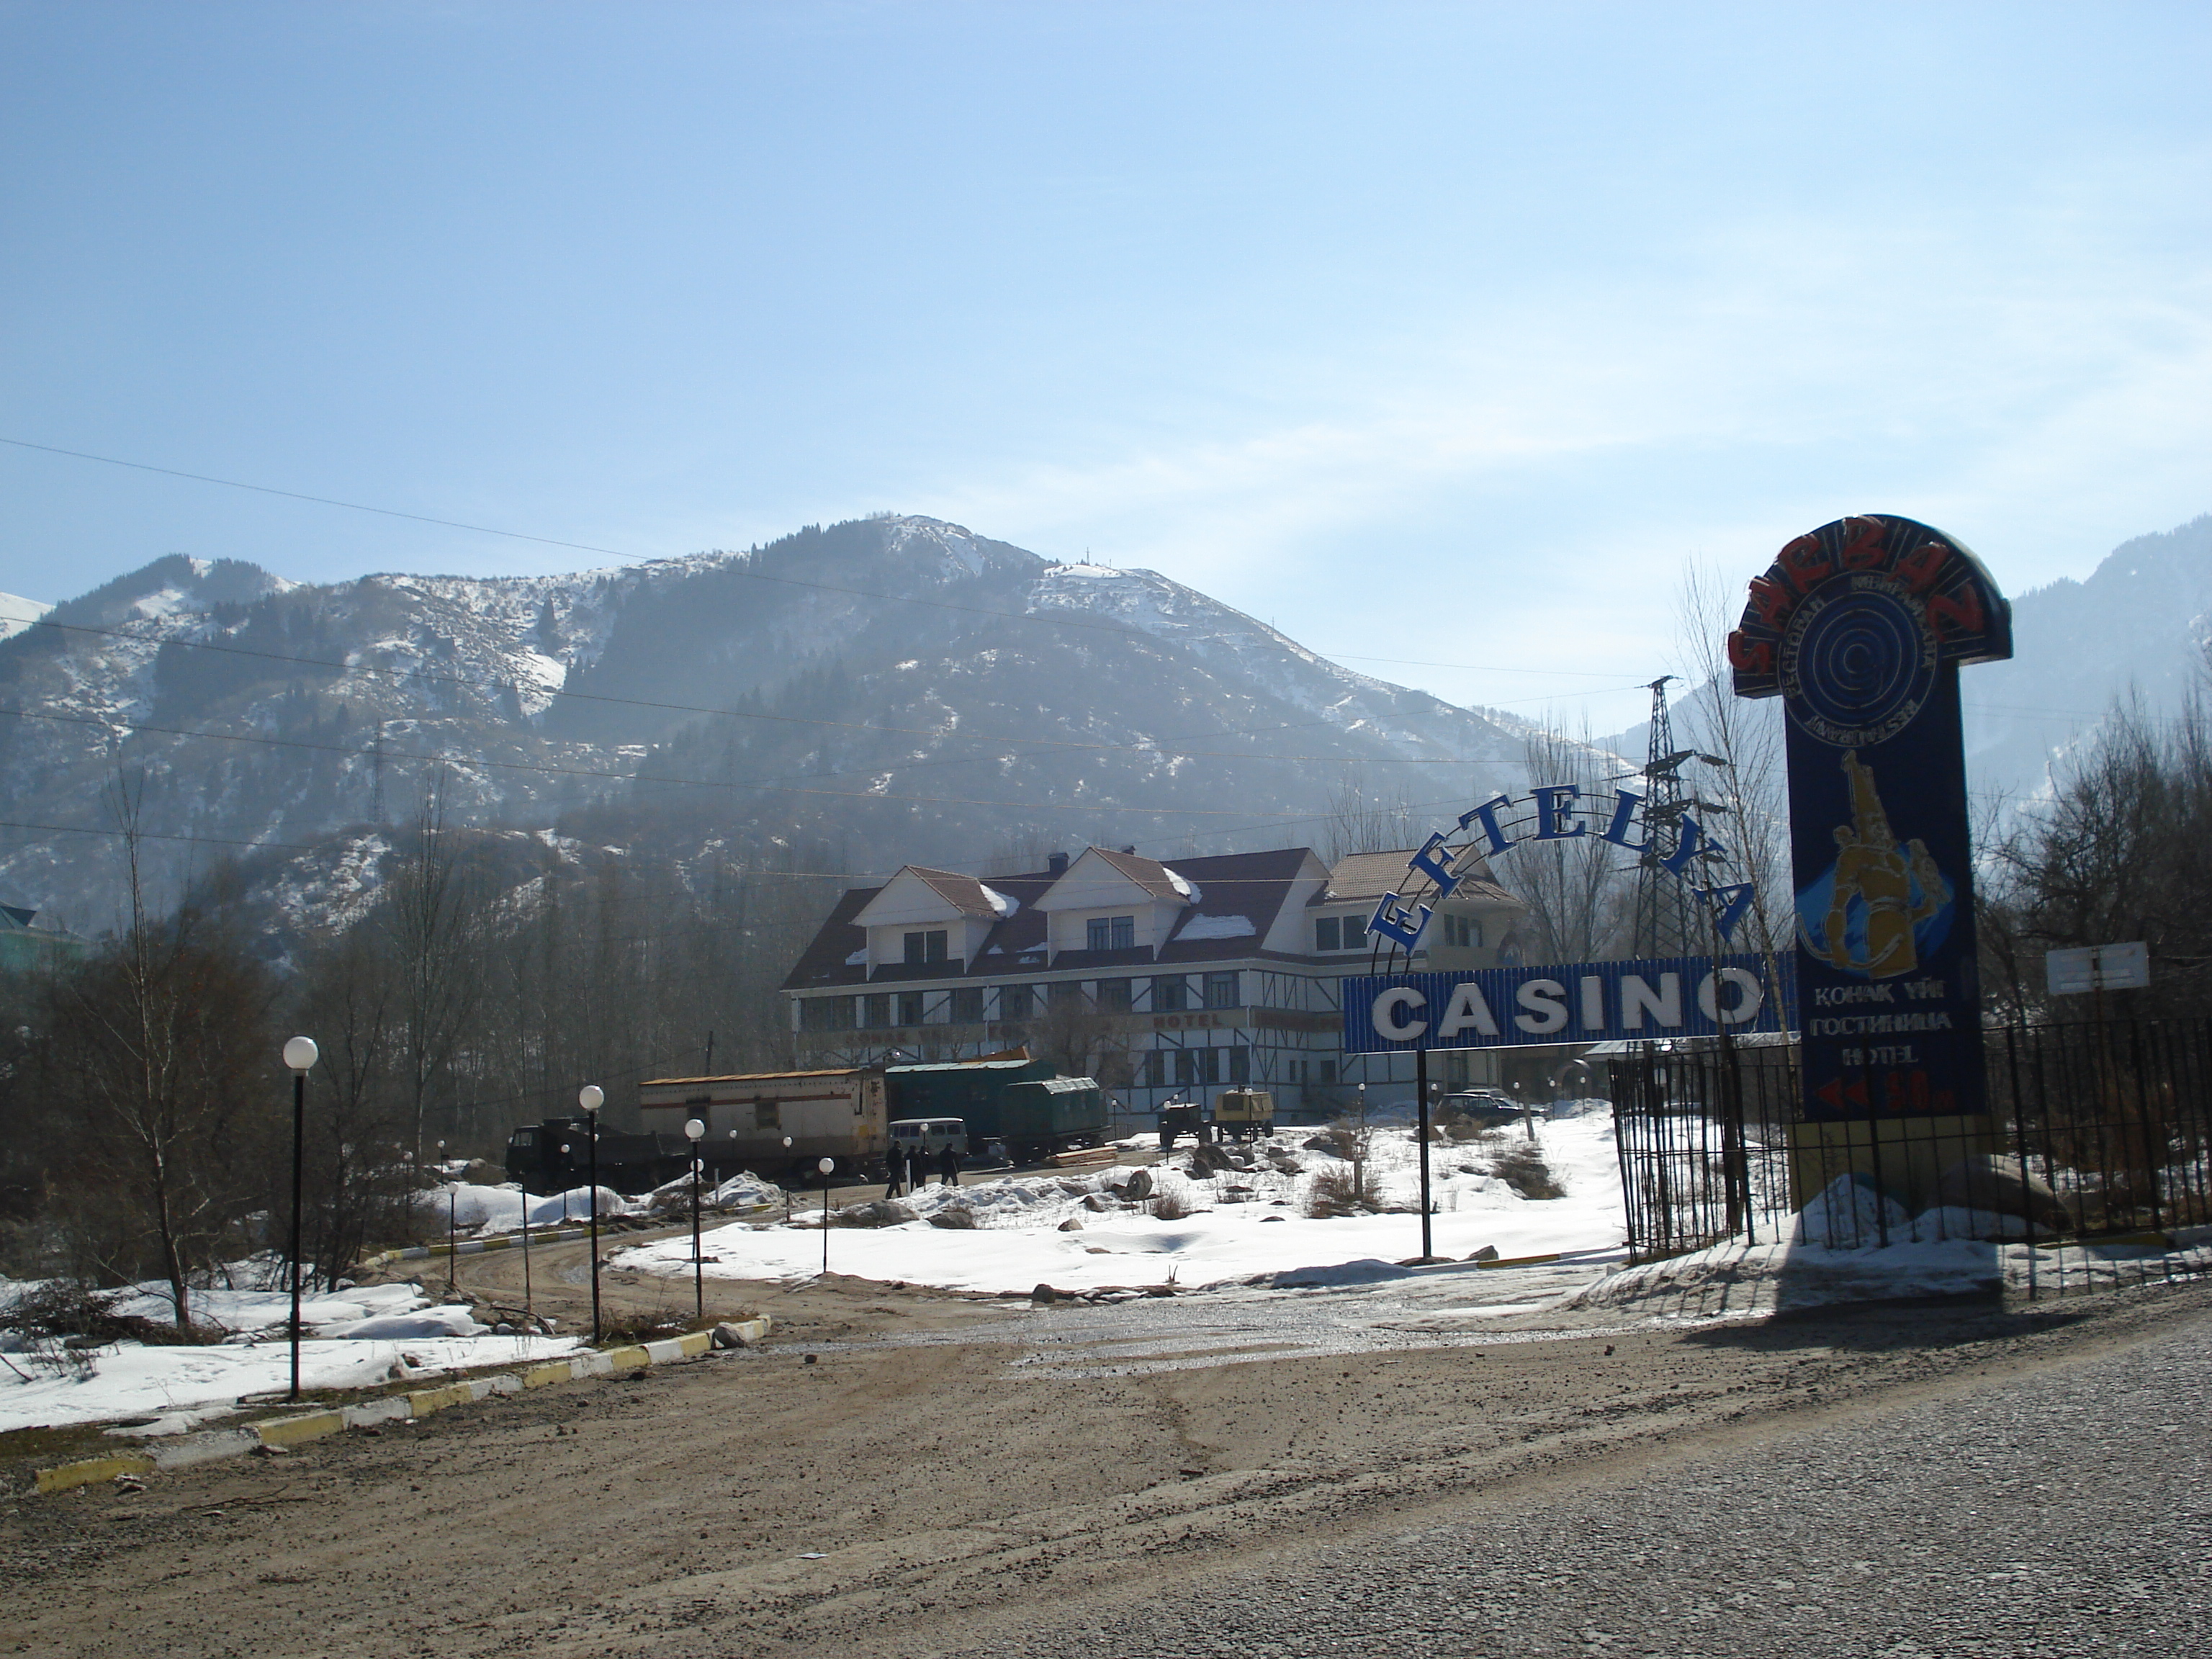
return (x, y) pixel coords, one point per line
(2063, 1512)
(1341, 1471)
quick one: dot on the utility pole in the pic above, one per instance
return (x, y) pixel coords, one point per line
(1664, 927)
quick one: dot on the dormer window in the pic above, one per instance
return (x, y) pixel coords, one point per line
(1464, 933)
(1110, 933)
(1339, 933)
(924, 948)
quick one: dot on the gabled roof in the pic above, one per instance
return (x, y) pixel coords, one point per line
(1150, 874)
(967, 896)
(1366, 877)
(1234, 901)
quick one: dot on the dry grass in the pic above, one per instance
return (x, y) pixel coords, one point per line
(1334, 1193)
(1169, 1204)
(1520, 1165)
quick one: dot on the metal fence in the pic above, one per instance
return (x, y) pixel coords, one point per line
(2097, 1151)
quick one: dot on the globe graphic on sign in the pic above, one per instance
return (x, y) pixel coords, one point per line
(1861, 664)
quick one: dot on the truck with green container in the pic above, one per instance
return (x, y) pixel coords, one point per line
(1020, 1103)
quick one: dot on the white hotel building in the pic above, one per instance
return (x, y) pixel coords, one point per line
(1192, 978)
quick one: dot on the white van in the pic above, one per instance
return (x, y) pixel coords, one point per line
(928, 1136)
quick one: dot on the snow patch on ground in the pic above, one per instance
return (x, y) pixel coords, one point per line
(359, 1337)
(1240, 1226)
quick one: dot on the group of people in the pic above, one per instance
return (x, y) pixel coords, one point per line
(910, 1170)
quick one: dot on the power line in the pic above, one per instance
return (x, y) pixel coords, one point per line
(404, 675)
(616, 777)
(1044, 617)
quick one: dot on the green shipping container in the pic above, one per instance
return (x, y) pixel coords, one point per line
(987, 1095)
(1053, 1114)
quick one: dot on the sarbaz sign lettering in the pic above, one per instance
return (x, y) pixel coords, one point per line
(1584, 1002)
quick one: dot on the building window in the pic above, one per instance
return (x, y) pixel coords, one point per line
(1063, 993)
(767, 1115)
(1015, 1001)
(1240, 1065)
(825, 1014)
(1329, 1071)
(1186, 1067)
(1114, 996)
(1156, 1069)
(876, 1010)
(1464, 931)
(968, 1005)
(1355, 932)
(909, 1007)
(922, 949)
(1170, 994)
(1221, 990)
(1455, 1071)
(1325, 933)
(1209, 1064)
(1110, 933)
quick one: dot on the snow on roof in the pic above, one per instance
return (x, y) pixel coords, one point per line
(1199, 928)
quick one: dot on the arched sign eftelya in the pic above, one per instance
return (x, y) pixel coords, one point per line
(1393, 1009)
(1861, 628)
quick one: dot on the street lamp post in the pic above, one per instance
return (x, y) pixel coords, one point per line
(694, 1130)
(1422, 1083)
(300, 1055)
(453, 1232)
(591, 1097)
(826, 1166)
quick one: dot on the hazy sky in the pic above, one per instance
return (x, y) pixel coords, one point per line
(1435, 332)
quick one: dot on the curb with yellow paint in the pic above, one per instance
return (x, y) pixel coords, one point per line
(279, 1433)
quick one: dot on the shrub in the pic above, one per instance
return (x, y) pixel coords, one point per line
(1334, 1193)
(1521, 1166)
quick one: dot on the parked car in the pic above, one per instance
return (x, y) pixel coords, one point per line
(1483, 1106)
(927, 1137)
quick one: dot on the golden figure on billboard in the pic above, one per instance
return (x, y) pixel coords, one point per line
(1878, 893)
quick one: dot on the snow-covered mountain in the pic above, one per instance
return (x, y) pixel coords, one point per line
(893, 688)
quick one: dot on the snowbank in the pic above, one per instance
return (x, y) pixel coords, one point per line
(479, 1209)
(1241, 1225)
(1738, 1281)
(355, 1338)
(132, 1381)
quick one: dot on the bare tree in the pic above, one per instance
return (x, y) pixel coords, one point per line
(430, 920)
(1577, 889)
(1362, 819)
(161, 1041)
(1081, 1040)
(358, 1188)
(2116, 855)
(1747, 795)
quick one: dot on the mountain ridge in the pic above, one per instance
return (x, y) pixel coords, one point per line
(898, 687)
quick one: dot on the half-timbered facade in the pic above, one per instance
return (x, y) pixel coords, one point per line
(1161, 979)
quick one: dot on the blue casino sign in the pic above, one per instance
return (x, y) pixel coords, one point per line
(1394, 1009)
(1861, 628)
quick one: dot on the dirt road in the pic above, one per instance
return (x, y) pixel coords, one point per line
(940, 1468)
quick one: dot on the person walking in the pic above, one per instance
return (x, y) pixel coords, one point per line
(894, 1162)
(948, 1166)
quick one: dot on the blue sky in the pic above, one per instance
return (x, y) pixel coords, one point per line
(1442, 333)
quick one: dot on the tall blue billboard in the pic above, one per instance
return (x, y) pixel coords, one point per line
(1861, 628)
